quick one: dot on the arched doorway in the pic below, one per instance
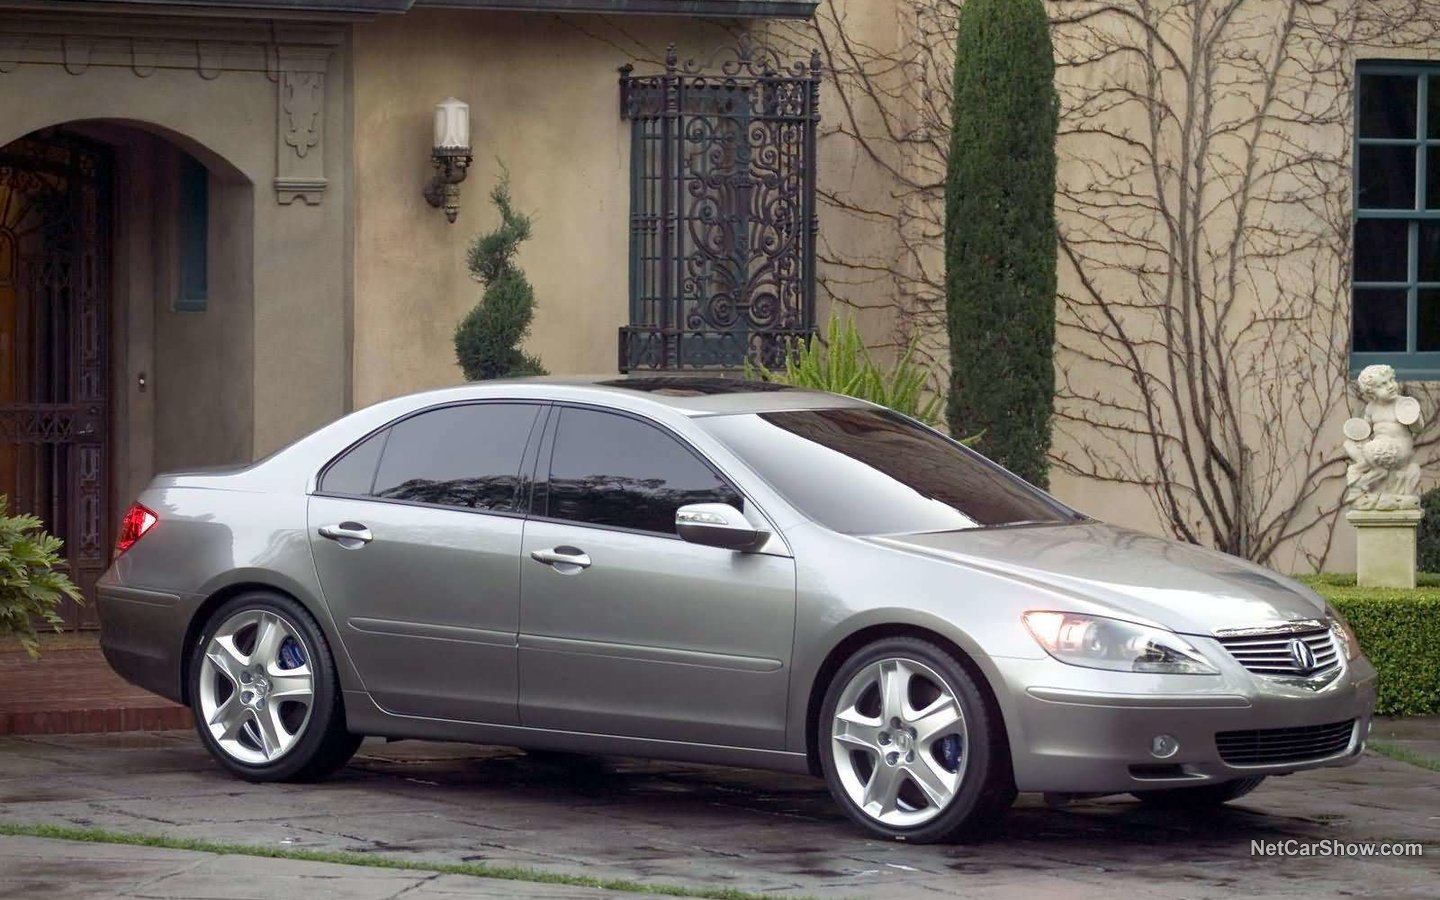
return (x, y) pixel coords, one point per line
(126, 324)
(55, 304)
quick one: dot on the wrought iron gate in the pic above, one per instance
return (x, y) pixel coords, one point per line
(722, 210)
(54, 203)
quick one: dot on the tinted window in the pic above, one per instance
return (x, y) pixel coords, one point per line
(354, 473)
(861, 471)
(467, 456)
(614, 470)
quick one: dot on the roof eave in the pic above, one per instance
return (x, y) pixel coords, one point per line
(778, 9)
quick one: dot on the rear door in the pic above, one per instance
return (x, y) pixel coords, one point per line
(416, 534)
(646, 635)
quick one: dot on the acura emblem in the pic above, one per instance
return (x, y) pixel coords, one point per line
(1302, 655)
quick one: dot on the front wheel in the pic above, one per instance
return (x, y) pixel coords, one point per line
(264, 692)
(1205, 796)
(909, 747)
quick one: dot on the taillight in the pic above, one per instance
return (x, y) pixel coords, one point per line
(138, 520)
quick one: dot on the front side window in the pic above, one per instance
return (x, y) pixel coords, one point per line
(616, 471)
(1396, 292)
(462, 456)
(867, 471)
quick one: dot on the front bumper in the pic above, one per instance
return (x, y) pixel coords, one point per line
(1075, 730)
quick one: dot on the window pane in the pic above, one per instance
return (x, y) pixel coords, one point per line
(614, 470)
(1432, 174)
(354, 473)
(1429, 266)
(1388, 106)
(467, 456)
(1382, 248)
(1387, 177)
(1433, 126)
(1427, 320)
(1379, 321)
(861, 471)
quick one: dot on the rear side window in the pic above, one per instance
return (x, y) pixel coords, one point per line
(613, 470)
(354, 473)
(462, 456)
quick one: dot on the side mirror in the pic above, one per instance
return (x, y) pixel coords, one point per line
(717, 525)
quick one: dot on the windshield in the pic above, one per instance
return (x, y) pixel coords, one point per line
(870, 471)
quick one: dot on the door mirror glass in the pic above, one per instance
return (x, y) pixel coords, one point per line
(717, 525)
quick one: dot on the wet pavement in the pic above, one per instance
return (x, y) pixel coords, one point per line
(696, 826)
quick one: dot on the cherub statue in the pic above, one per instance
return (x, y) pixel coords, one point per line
(1383, 473)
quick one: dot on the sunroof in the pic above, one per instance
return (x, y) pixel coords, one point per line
(691, 386)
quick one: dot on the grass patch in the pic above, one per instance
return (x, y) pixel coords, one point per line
(349, 858)
(1405, 755)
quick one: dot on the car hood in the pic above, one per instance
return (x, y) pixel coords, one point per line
(1187, 588)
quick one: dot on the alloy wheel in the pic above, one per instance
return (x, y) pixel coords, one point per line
(256, 686)
(899, 742)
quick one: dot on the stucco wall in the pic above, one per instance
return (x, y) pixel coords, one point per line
(544, 100)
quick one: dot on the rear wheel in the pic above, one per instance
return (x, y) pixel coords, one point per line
(264, 692)
(910, 748)
(1205, 796)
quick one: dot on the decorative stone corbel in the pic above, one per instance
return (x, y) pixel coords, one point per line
(300, 126)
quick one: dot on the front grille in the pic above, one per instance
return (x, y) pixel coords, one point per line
(1269, 746)
(1271, 654)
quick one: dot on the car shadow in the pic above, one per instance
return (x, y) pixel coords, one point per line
(1102, 829)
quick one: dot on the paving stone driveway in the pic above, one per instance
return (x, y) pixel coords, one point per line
(714, 827)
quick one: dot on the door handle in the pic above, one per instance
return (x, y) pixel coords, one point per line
(562, 556)
(347, 534)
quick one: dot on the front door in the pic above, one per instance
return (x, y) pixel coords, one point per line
(54, 290)
(416, 537)
(626, 629)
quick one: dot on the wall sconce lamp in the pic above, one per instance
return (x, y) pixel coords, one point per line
(451, 155)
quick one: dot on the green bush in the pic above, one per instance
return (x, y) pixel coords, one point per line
(1000, 237)
(1428, 536)
(1399, 630)
(841, 364)
(487, 341)
(31, 581)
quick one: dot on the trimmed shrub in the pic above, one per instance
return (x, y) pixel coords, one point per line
(1428, 535)
(1399, 631)
(487, 341)
(841, 364)
(1000, 237)
(31, 581)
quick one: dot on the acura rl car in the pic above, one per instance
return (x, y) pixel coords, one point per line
(723, 572)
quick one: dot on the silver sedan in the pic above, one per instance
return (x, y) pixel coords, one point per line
(715, 571)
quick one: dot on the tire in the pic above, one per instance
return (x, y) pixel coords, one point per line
(1205, 796)
(238, 684)
(875, 770)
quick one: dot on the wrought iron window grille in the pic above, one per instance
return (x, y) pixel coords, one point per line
(723, 215)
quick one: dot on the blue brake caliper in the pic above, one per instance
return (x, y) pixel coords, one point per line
(949, 747)
(292, 654)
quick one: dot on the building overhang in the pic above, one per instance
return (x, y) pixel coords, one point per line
(792, 9)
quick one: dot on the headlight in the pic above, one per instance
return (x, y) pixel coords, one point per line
(1344, 636)
(1096, 642)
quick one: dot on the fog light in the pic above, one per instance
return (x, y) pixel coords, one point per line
(1164, 746)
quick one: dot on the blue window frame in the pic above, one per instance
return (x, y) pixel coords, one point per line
(194, 220)
(1396, 288)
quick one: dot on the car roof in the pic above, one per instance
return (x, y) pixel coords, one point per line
(692, 395)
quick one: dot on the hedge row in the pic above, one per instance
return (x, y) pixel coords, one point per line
(1399, 631)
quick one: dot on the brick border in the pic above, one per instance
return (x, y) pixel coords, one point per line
(93, 721)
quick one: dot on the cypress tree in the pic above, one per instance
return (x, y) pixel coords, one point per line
(487, 340)
(1000, 238)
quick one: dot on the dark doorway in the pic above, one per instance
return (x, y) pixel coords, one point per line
(54, 329)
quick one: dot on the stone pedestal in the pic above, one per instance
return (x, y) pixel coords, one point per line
(1384, 546)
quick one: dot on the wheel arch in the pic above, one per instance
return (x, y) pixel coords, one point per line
(242, 582)
(868, 634)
